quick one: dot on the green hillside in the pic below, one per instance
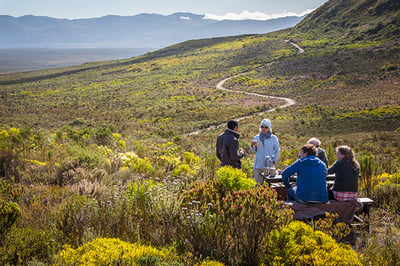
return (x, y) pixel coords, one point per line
(104, 149)
(135, 92)
(354, 20)
(350, 62)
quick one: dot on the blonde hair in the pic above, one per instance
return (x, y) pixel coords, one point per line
(348, 156)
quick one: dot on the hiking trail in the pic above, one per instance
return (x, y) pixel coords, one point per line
(219, 86)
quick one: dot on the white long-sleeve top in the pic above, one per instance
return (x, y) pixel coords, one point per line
(269, 148)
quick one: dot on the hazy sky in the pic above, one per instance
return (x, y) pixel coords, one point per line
(217, 9)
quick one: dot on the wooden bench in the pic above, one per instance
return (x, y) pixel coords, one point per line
(344, 209)
(367, 204)
(276, 183)
(358, 221)
(348, 211)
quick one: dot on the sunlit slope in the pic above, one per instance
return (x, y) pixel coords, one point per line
(171, 90)
(349, 73)
(354, 20)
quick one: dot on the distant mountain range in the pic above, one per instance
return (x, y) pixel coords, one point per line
(139, 31)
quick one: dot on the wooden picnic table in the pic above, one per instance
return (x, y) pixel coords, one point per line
(276, 183)
(278, 178)
(342, 208)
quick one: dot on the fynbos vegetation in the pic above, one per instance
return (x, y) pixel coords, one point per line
(97, 165)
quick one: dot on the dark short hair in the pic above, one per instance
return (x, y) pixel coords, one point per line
(310, 149)
(232, 124)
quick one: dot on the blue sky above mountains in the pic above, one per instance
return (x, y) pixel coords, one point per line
(212, 9)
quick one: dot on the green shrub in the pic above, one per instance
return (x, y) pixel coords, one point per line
(23, 245)
(82, 219)
(104, 136)
(12, 145)
(234, 179)
(229, 225)
(72, 218)
(156, 208)
(368, 169)
(182, 169)
(210, 263)
(208, 166)
(299, 244)
(190, 158)
(330, 154)
(382, 250)
(142, 166)
(139, 193)
(9, 209)
(89, 156)
(112, 251)
(330, 227)
(138, 165)
(387, 195)
(248, 167)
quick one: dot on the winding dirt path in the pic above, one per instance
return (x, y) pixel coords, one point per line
(301, 50)
(219, 86)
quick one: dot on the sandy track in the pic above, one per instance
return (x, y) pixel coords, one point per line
(219, 86)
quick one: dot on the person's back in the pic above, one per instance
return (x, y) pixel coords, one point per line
(321, 154)
(347, 172)
(311, 177)
(311, 180)
(227, 146)
(346, 179)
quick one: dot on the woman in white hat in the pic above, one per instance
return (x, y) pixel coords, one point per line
(264, 144)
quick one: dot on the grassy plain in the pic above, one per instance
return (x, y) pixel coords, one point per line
(27, 59)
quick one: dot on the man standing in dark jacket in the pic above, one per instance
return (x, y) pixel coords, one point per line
(228, 151)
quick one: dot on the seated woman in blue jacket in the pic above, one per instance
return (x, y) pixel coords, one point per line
(311, 178)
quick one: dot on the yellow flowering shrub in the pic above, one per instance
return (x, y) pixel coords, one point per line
(181, 169)
(36, 162)
(13, 131)
(9, 209)
(210, 263)
(122, 144)
(139, 165)
(330, 227)
(298, 244)
(3, 134)
(235, 179)
(112, 251)
(386, 193)
(190, 158)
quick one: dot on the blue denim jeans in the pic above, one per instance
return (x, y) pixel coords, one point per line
(291, 195)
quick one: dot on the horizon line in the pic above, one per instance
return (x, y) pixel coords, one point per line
(244, 15)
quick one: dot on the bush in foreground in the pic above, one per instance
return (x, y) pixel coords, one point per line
(227, 223)
(24, 245)
(112, 251)
(299, 244)
(387, 193)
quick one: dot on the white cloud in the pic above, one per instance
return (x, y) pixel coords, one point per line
(185, 18)
(255, 15)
